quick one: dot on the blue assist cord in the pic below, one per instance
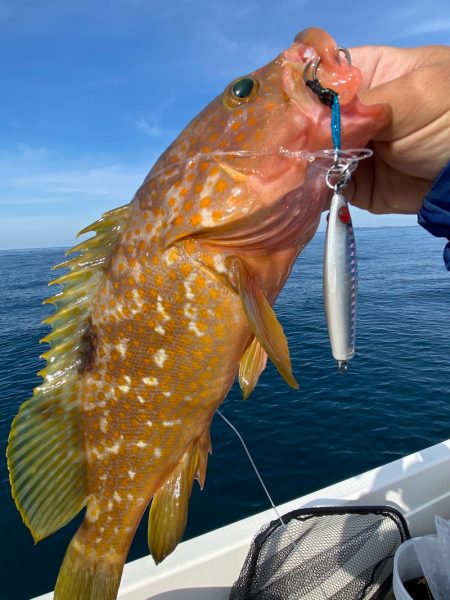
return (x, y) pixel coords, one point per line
(336, 122)
(329, 98)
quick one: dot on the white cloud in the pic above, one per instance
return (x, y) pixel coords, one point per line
(149, 127)
(45, 200)
(410, 20)
(430, 25)
(112, 181)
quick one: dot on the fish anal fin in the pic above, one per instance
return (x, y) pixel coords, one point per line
(169, 509)
(253, 363)
(262, 318)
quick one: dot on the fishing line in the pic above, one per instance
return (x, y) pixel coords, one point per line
(293, 546)
(255, 468)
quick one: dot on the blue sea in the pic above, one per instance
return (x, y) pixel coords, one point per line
(394, 399)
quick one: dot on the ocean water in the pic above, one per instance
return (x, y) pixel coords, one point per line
(394, 400)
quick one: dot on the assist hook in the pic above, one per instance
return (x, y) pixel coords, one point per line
(326, 95)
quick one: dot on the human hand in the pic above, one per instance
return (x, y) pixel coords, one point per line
(410, 152)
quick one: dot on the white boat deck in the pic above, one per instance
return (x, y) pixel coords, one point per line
(204, 568)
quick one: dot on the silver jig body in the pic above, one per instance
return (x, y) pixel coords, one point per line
(340, 281)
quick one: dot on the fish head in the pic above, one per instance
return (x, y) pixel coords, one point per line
(272, 108)
(242, 177)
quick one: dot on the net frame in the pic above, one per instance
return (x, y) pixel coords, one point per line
(372, 590)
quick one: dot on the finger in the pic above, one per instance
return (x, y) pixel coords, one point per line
(381, 64)
(381, 189)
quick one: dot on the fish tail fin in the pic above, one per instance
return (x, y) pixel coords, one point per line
(83, 576)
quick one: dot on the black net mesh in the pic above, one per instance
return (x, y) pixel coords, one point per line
(339, 553)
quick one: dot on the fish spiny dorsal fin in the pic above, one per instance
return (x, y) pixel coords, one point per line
(261, 317)
(253, 363)
(45, 451)
(169, 510)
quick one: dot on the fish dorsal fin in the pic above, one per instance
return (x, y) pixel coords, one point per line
(168, 512)
(253, 363)
(45, 453)
(262, 319)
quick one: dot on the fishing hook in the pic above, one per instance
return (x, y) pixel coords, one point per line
(316, 62)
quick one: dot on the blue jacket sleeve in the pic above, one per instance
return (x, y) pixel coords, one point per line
(434, 215)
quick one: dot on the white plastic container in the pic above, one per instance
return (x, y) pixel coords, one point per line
(406, 567)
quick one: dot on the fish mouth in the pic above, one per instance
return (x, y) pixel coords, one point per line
(315, 48)
(317, 52)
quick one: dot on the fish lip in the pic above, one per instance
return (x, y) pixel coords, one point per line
(333, 70)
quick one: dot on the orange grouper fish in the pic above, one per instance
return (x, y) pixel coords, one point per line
(162, 306)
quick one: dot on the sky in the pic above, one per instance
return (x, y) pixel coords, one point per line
(93, 91)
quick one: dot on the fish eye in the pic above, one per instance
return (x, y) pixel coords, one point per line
(241, 90)
(243, 87)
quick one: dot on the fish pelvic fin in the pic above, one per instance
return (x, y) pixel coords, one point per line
(169, 508)
(85, 577)
(253, 363)
(262, 319)
(46, 457)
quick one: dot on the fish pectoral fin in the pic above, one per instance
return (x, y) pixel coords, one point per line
(169, 509)
(46, 459)
(253, 363)
(262, 319)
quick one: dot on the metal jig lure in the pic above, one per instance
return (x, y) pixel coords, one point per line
(339, 267)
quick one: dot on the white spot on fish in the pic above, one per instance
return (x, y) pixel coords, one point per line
(112, 555)
(113, 449)
(149, 423)
(170, 256)
(219, 263)
(193, 327)
(131, 474)
(160, 329)
(157, 452)
(135, 272)
(137, 300)
(171, 423)
(167, 394)
(124, 388)
(122, 347)
(160, 357)
(103, 477)
(127, 378)
(116, 530)
(117, 497)
(141, 399)
(190, 311)
(104, 424)
(130, 496)
(207, 219)
(161, 310)
(152, 381)
(93, 510)
(110, 507)
(187, 283)
(141, 444)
